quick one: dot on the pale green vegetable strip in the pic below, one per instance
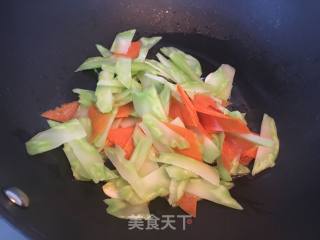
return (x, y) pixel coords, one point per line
(106, 78)
(91, 161)
(147, 101)
(156, 143)
(95, 62)
(55, 137)
(179, 174)
(235, 165)
(86, 124)
(111, 190)
(218, 194)
(141, 152)
(165, 95)
(52, 123)
(138, 67)
(241, 170)
(137, 135)
(210, 150)
(159, 67)
(221, 80)
(156, 183)
(196, 87)
(86, 97)
(157, 79)
(178, 75)
(256, 139)
(181, 188)
(172, 199)
(228, 185)
(266, 156)
(129, 195)
(123, 70)
(103, 51)
(122, 98)
(148, 166)
(104, 99)
(112, 187)
(78, 171)
(153, 185)
(146, 82)
(121, 209)
(146, 45)
(122, 41)
(203, 170)
(223, 173)
(126, 169)
(163, 134)
(183, 62)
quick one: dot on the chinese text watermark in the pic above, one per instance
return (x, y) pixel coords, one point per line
(164, 222)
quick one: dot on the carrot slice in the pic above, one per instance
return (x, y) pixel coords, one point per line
(174, 110)
(63, 113)
(188, 203)
(98, 120)
(209, 123)
(125, 111)
(189, 114)
(129, 148)
(194, 146)
(123, 138)
(214, 124)
(133, 51)
(207, 105)
(229, 153)
(120, 136)
(248, 155)
(204, 101)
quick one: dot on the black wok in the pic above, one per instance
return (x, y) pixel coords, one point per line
(274, 45)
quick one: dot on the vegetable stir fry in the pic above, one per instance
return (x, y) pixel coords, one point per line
(165, 128)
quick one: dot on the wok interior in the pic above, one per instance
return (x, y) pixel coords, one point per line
(274, 49)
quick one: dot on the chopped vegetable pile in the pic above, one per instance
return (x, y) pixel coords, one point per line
(167, 132)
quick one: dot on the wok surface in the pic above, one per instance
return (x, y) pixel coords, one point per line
(274, 45)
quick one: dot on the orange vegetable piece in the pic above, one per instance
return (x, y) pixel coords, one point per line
(188, 203)
(63, 113)
(214, 124)
(207, 105)
(248, 155)
(123, 138)
(194, 146)
(189, 114)
(133, 51)
(209, 123)
(129, 148)
(99, 122)
(125, 111)
(120, 136)
(174, 109)
(229, 153)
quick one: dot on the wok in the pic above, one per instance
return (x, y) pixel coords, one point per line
(274, 45)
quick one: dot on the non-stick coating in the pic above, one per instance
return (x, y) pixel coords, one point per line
(275, 48)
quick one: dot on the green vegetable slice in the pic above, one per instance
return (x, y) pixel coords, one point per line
(122, 42)
(203, 170)
(55, 137)
(266, 156)
(218, 194)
